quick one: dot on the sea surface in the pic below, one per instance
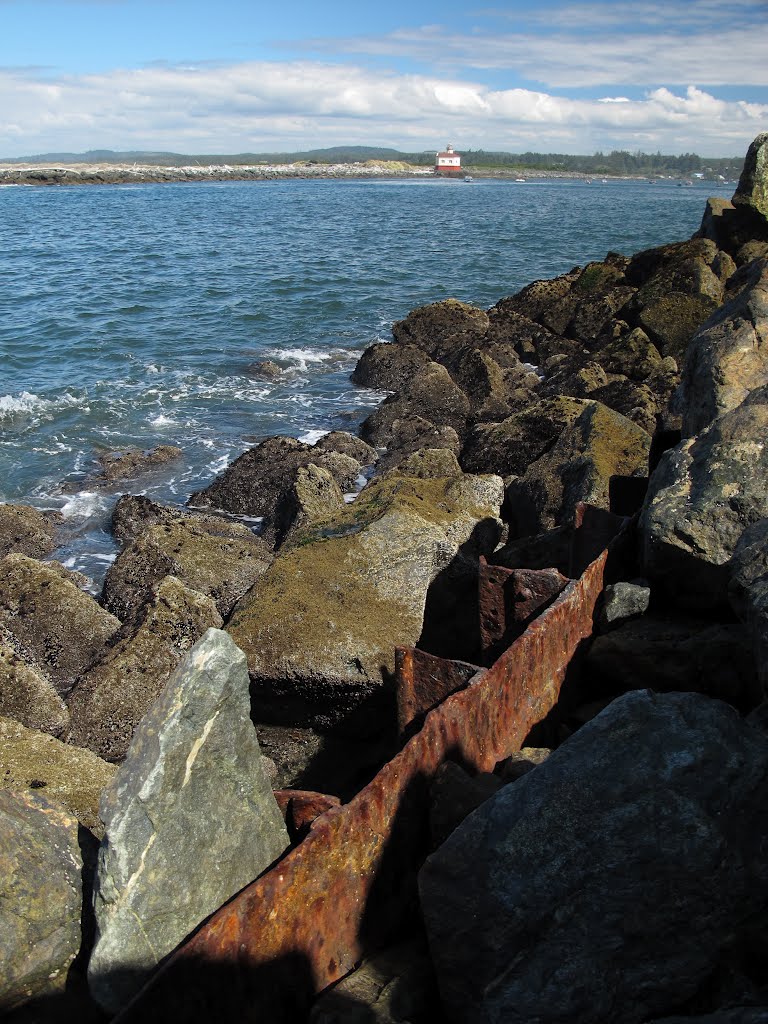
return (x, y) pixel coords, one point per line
(131, 316)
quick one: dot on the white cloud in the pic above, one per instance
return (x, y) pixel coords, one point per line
(262, 106)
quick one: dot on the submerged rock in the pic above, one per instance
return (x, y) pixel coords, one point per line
(40, 897)
(608, 883)
(190, 820)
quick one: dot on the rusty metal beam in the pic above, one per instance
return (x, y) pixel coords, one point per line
(423, 680)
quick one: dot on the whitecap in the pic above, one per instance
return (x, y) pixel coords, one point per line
(12, 405)
(85, 504)
(312, 436)
(302, 356)
(161, 420)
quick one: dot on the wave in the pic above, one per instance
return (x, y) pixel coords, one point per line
(25, 403)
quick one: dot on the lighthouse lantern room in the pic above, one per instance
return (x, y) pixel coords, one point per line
(447, 163)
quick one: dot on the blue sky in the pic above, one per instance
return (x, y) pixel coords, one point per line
(235, 76)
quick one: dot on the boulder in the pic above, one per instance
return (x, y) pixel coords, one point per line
(608, 883)
(623, 601)
(320, 627)
(635, 401)
(430, 394)
(678, 289)
(26, 694)
(57, 623)
(632, 354)
(701, 497)
(728, 356)
(344, 443)
(453, 795)
(440, 327)
(213, 556)
(410, 434)
(264, 369)
(549, 303)
(597, 445)
(133, 513)
(681, 653)
(40, 897)
(430, 464)
(509, 447)
(259, 479)
(507, 326)
(752, 190)
(314, 498)
(387, 366)
(73, 777)
(190, 819)
(748, 591)
(111, 698)
(115, 466)
(493, 392)
(27, 531)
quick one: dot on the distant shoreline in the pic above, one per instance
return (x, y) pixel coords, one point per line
(122, 174)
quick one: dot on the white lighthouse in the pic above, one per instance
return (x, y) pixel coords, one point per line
(448, 163)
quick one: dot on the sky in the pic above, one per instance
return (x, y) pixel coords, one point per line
(236, 76)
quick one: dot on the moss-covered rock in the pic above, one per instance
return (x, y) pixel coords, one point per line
(320, 627)
(26, 694)
(27, 531)
(110, 700)
(33, 760)
(440, 327)
(431, 394)
(222, 564)
(387, 366)
(509, 447)
(62, 627)
(597, 445)
(752, 190)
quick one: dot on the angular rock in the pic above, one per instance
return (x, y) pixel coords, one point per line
(61, 626)
(748, 591)
(752, 190)
(597, 445)
(133, 513)
(509, 448)
(387, 366)
(635, 401)
(549, 303)
(520, 763)
(493, 392)
(124, 465)
(607, 883)
(455, 794)
(27, 531)
(728, 356)
(110, 700)
(213, 556)
(410, 434)
(509, 327)
(320, 627)
(40, 897)
(430, 464)
(73, 777)
(632, 354)
(623, 601)
(683, 654)
(440, 327)
(259, 479)
(430, 394)
(26, 694)
(701, 497)
(190, 820)
(314, 498)
(343, 443)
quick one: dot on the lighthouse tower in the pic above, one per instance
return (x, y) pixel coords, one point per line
(447, 163)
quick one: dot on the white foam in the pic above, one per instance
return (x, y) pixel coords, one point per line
(84, 504)
(161, 420)
(312, 436)
(303, 356)
(26, 403)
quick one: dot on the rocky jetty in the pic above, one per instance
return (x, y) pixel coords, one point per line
(506, 652)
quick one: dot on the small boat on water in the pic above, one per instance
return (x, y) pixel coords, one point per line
(468, 177)
(521, 180)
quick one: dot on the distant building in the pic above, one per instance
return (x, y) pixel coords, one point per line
(447, 163)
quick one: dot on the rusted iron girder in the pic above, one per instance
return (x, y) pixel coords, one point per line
(508, 599)
(307, 921)
(301, 808)
(422, 681)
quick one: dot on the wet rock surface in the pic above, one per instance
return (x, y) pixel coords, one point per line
(27, 531)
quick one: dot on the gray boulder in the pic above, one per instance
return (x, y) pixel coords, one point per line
(58, 624)
(40, 896)
(190, 819)
(748, 591)
(441, 327)
(431, 394)
(622, 601)
(728, 356)
(387, 366)
(606, 884)
(701, 497)
(752, 190)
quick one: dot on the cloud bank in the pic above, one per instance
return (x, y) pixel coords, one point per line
(301, 104)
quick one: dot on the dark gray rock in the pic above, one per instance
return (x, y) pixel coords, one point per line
(701, 497)
(455, 794)
(410, 434)
(441, 327)
(26, 693)
(430, 394)
(622, 601)
(40, 896)
(680, 653)
(387, 366)
(115, 466)
(606, 884)
(748, 591)
(344, 443)
(752, 190)
(190, 819)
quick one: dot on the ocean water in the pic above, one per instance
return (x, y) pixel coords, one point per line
(131, 315)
